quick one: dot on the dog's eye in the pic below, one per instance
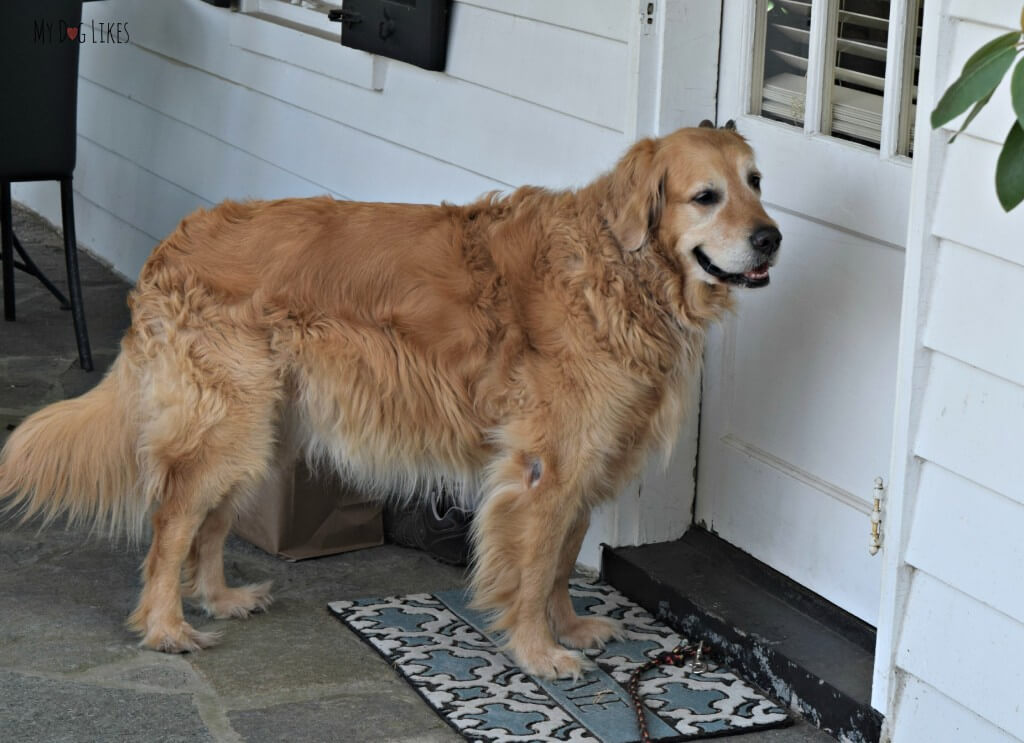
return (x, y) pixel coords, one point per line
(755, 181)
(707, 197)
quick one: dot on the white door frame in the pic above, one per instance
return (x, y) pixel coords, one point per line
(674, 88)
(671, 86)
(904, 470)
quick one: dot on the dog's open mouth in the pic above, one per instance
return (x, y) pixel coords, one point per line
(753, 278)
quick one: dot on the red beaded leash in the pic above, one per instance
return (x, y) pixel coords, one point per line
(677, 656)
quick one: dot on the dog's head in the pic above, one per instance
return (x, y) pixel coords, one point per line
(696, 192)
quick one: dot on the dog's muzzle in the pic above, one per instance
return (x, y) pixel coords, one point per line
(755, 277)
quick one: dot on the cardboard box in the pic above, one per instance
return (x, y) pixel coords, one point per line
(301, 514)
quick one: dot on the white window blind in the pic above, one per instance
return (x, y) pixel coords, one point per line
(852, 61)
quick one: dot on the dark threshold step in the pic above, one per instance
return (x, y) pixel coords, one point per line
(810, 654)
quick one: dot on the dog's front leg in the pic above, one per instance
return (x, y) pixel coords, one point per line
(570, 628)
(519, 533)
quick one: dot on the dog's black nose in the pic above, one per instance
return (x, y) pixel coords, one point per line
(766, 240)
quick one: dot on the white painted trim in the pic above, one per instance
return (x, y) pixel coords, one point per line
(911, 372)
(650, 43)
(845, 497)
(644, 81)
(283, 12)
(892, 103)
(688, 65)
(658, 505)
(671, 87)
(756, 29)
(818, 61)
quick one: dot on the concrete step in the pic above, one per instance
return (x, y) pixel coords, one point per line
(808, 653)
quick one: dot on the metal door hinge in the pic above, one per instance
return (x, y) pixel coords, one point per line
(646, 17)
(875, 542)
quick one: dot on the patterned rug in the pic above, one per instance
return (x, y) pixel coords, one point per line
(441, 647)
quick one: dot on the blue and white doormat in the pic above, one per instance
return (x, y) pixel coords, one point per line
(440, 645)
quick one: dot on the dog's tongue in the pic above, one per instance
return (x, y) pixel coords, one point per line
(758, 273)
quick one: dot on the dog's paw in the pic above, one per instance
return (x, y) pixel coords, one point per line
(553, 663)
(589, 632)
(239, 602)
(179, 638)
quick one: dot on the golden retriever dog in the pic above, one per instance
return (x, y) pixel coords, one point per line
(533, 346)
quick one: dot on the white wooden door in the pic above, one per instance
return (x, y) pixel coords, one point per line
(799, 385)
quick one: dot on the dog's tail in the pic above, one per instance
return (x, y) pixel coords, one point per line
(78, 457)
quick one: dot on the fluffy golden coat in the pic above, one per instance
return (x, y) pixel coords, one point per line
(533, 347)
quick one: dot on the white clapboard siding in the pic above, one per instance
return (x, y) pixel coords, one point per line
(120, 244)
(972, 423)
(122, 187)
(1003, 14)
(275, 135)
(974, 290)
(929, 716)
(543, 146)
(262, 111)
(565, 69)
(576, 73)
(427, 112)
(955, 517)
(308, 51)
(965, 649)
(968, 211)
(213, 169)
(955, 594)
(610, 18)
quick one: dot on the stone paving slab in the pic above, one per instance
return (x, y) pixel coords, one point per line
(83, 712)
(354, 717)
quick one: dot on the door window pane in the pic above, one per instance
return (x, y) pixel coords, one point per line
(861, 35)
(785, 27)
(850, 53)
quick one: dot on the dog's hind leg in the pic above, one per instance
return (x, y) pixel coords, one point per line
(159, 617)
(204, 569)
(210, 414)
(570, 628)
(196, 462)
(189, 492)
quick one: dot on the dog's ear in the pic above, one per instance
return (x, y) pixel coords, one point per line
(636, 196)
(730, 125)
(707, 124)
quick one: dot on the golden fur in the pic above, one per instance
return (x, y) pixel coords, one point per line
(533, 347)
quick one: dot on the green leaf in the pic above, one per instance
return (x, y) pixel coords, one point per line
(981, 75)
(970, 117)
(1010, 169)
(1017, 91)
(997, 44)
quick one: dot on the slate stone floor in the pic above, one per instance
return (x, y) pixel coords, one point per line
(70, 671)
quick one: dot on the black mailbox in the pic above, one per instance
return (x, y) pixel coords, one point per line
(413, 31)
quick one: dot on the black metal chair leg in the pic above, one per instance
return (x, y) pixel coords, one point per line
(7, 239)
(29, 266)
(67, 209)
